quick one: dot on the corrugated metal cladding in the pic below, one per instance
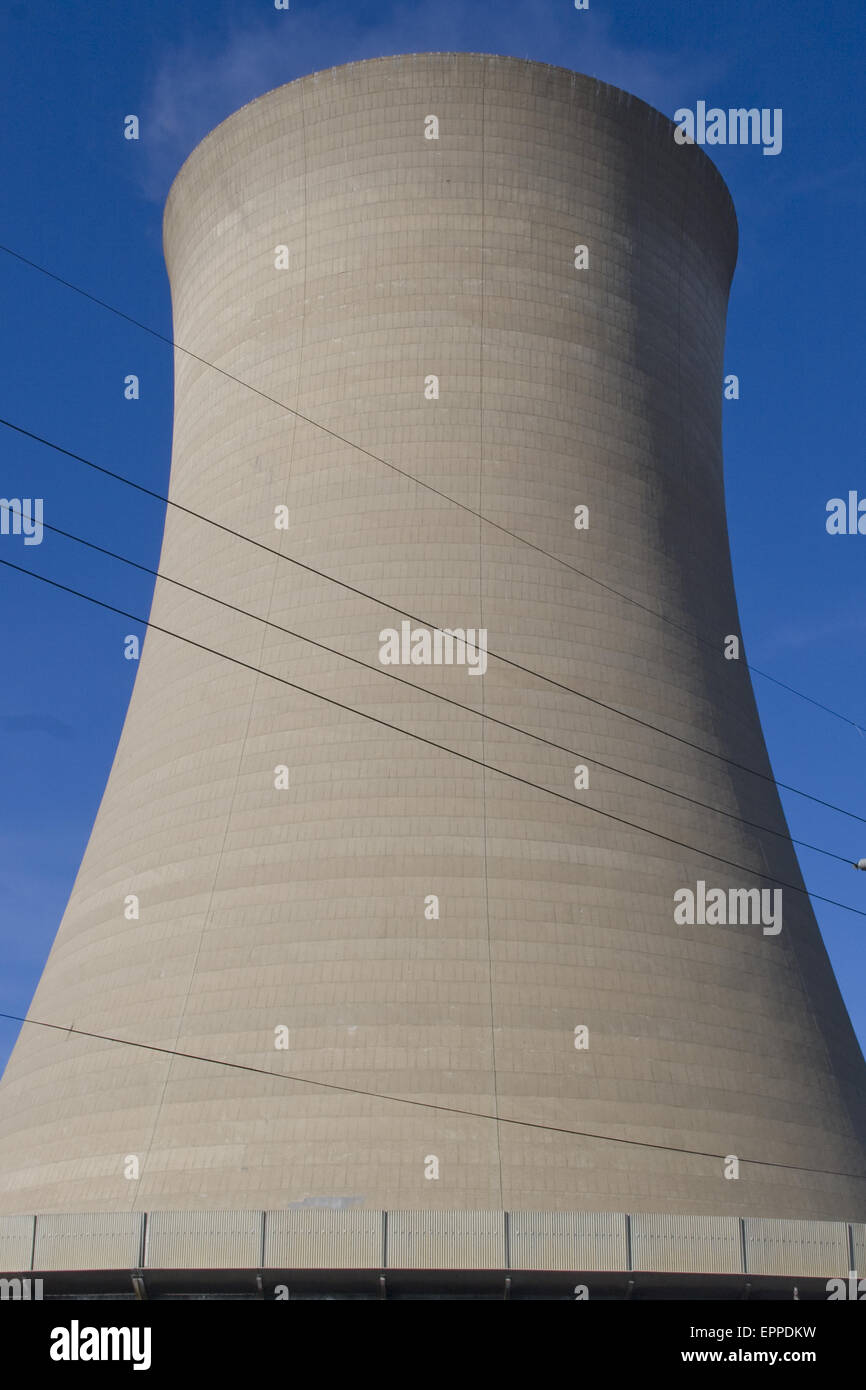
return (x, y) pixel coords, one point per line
(204, 1240)
(446, 1240)
(817, 1248)
(318, 1238)
(686, 1244)
(96, 1240)
(567, 1240)
(16, 1242)
(321, 1239)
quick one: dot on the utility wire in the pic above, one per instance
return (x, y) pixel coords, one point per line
(446, 699)
(350, 588)
(523, 540)
(420, 1104)
(431, 743)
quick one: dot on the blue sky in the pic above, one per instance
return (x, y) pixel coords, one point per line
(81, 200)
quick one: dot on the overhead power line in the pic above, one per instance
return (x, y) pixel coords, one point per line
(362, 593)
(432, 743)
(419, 1104)
(436, 695)
(419, 482)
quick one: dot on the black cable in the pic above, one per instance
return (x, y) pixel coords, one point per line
(458, 704)
(170, 342)
(421, 1104)
(431, 743)
(350, 588)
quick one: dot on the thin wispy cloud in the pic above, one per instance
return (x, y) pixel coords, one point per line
(36, 724)
(801, 633)
(195, 86)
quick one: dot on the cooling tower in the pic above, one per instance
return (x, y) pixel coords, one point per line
(460, 373)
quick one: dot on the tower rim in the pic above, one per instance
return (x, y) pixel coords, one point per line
(627, 98)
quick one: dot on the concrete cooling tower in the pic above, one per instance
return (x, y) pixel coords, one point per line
(360, 928)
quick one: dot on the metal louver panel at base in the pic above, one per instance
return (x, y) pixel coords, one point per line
(818, 1248)
(105, 1240)
(686, 1244)
(567, 1240)
(446, 1240)
(204, 1240)
(317, 1239)
(16, 1242)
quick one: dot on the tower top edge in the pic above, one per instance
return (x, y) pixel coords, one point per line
(617, 96)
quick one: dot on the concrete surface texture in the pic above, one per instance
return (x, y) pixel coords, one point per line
(421, 926)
